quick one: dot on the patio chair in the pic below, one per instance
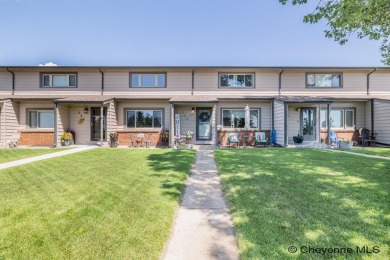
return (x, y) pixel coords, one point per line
(364, 135)
(233, 138)
(133, 143)
(260, 138)
(333, 139)
(148, 141)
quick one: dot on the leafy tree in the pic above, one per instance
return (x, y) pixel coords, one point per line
(363, 18)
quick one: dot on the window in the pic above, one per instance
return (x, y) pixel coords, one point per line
(41, 118)
(339, 117)
(235, 118)
(147, 80)
(236, 80)
(323, 80)
(143, 118)
(59, 80)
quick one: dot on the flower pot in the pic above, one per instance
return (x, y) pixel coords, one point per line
(66, 142)
(298, 139)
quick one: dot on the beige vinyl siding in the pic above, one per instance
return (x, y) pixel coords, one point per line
(294, 83)
(63, 120)
(380, 83)
(83, 131)
(27, 83)
(10, 122)
(141, 105)
(5, 83)
(368, 114)
(382, 121)
(206, 82)
(264, 106)
(178, 83)
(279, 121)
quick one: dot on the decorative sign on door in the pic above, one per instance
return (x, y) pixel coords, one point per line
(177, 124)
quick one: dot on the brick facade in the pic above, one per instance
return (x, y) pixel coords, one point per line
(347, 135)
(249, 136)
(125, 136)
(36, 138)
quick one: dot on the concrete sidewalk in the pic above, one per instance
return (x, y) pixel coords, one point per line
(45, 156)
(203, 227)
(362, 154)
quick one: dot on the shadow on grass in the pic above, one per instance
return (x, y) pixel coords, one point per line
(173, 167)
(303, 197)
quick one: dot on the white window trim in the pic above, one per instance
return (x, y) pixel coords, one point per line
(239, 128)
(38, 111)
(58, 74)
(240, 87)
(139, 84)
(135, 125)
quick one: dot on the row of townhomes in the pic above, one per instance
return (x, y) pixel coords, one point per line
(39, 103)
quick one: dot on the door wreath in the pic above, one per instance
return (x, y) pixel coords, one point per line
(204, 116)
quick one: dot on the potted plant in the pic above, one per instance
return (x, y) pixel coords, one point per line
(114, 140)
(66, 138)
(298, 139)
(345, 144)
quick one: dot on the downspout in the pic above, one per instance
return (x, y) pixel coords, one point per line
(368, 81)
(280, 81)
(193, 82)
(102, 90)
(285, 124)
(55, 124)
(273, 114)
(372, 117)
(13, 81)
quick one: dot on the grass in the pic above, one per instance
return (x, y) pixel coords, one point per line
(305, 197)
(8, 155)
(371, 150)
(98, 204)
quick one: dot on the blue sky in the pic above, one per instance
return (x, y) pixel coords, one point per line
(171, 32)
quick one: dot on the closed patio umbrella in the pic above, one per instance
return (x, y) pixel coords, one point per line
(247, 117)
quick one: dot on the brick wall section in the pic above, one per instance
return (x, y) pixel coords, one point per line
(223, 135)
(36, 138)
(350, 135)
(125, 135)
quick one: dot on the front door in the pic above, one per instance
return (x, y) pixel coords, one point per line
(203, 123)
(308, 123)
(95, 123)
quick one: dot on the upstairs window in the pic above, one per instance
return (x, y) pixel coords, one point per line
(147, 80)
(236, 80)
(41, 118)
(59, 80)
(319, 80)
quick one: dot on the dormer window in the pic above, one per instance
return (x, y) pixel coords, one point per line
(59, 80)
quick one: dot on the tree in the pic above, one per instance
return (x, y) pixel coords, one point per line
(363, 18)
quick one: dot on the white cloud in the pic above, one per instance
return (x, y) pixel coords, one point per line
(49, 64)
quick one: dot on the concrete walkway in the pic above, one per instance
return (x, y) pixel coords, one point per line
(45, 156)
(364, 155)
(203, 227)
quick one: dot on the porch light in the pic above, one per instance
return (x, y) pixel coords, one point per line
(298, 109)
(193, 111)
(86, 110)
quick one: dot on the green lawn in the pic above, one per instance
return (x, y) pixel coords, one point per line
(371, 150)
(98, 204)
(305, 197)
(12, 154)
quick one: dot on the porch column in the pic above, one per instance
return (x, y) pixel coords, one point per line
(171, 124)
(285, 124)
(215, 122)
(101, 126)
(55, 124)
(328, 120)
